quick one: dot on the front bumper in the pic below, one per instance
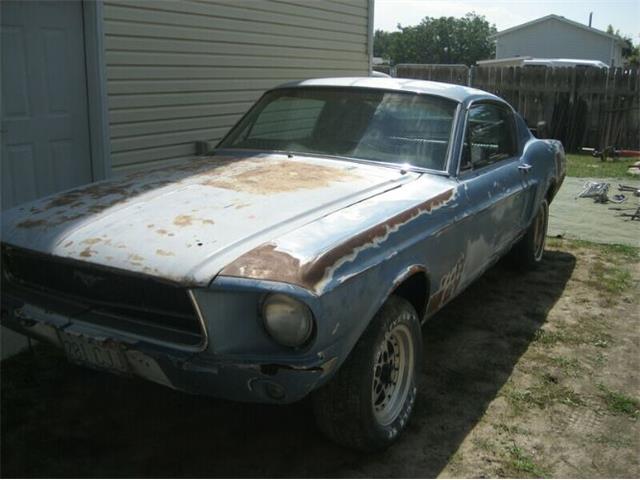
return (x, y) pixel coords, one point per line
(237, 377)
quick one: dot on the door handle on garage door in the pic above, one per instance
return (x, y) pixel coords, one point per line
(524, 168)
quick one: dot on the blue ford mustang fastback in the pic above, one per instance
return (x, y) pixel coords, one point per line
(301, 256)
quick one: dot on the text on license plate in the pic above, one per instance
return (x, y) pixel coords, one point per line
(83, 352)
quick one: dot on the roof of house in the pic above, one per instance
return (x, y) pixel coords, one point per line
(551, 62)
(561, 19)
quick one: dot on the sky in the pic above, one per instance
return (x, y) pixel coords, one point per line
(622, 14)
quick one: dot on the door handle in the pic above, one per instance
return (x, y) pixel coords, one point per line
(524, 168)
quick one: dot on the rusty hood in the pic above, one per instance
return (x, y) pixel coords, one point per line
(186, 223)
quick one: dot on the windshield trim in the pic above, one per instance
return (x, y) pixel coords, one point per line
(406, 166)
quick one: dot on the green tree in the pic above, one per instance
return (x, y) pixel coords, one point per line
(630, 52)
(438, 40)
(382, 43)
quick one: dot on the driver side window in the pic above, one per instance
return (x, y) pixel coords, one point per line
(490, 136)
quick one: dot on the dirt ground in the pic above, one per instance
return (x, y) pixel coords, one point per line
(525, 375)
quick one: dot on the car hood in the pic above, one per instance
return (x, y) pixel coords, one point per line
(186, 223)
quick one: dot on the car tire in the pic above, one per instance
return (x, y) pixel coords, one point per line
(367, 405)
(528, 252)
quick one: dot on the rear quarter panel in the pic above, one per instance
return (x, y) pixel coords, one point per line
(548, 160)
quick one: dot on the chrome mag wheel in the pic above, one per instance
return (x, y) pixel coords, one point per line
(540, 233)
(392, 374)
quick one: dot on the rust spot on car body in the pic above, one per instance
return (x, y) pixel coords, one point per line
(164, 253)
(91, 241)
(183, 220)
(188, 220)
(69, 218)
(63, 201)
(267, 263)
(87, 252)
(281, 177)
(95, 192)
(31, 223)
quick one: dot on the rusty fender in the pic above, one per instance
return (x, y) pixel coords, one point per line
(266, 262)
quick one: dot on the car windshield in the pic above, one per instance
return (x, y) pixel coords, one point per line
(392, 127)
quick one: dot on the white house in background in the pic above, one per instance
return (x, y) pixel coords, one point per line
(96, 88)
(554, 36)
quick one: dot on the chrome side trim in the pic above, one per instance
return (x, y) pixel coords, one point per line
(205, 333)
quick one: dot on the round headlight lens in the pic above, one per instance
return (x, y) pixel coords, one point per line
(287, 320)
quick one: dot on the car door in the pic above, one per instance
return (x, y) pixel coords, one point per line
(492, 177)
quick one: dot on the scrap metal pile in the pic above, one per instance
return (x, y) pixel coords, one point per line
(599, 191)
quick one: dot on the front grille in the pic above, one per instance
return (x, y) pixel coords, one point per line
(103, 296)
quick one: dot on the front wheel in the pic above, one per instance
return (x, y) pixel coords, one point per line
(368, 403)
(528, 252)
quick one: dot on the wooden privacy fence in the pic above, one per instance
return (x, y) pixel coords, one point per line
(583, 107)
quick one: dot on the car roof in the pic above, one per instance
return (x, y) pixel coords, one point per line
(458, 93)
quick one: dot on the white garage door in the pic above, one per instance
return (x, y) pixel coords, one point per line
(45, 131)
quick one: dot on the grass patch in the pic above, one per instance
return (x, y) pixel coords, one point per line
(612, 279)
(611, 251)
(611, 441)
(484, 445)
(627, 252)
(619, 403)
(591, 167)
(521, 462)
(610, 274)
(545, 337)
(586, 332)
(599, 360)
(542, 395)
(510, 429)
(569, 366)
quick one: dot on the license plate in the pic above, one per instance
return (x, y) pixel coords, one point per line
(86, 353)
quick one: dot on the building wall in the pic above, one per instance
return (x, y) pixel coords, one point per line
(178, 72)
(557, 39)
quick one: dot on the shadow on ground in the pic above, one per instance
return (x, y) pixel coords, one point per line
(62, 420)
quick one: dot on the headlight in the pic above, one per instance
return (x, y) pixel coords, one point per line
(287, 320)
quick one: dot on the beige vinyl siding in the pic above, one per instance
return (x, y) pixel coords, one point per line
(182, 71)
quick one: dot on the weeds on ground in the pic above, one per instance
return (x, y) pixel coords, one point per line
(521, 462)
(610, 274)
(484, 445)
(613, 279)
(510, 429)
(546, 392)
(593, 167)
(616, 441)
(587, 332)
(619, 403)
(609, 250)
(569, 366)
